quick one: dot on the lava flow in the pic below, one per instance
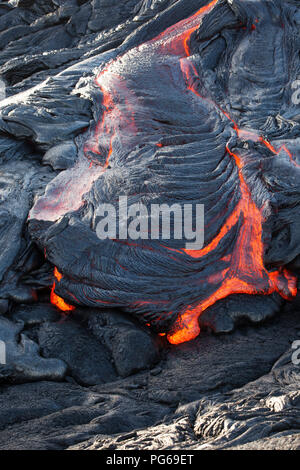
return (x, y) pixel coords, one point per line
(120, 131)
(246, 273)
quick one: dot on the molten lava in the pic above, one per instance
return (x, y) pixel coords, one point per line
(245, 272)
(55, 299)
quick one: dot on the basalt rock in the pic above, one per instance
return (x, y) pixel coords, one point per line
(132, 348)
(202, 113)
(161, 101)
(206, 391)
(87, 359)
(20, 358)
(264, 414)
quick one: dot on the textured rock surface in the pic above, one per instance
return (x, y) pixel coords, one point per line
(35, 314)
(236, 153)
(132, 348)
(263, 414)
(209, 393)
(22, 360)
(87, 359)
(52, 97)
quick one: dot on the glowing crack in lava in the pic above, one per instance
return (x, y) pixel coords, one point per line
(246, 274)
(55, 299)
(127, 125)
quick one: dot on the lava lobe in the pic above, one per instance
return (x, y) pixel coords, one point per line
(195, 115)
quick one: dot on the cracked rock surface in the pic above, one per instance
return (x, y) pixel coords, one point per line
(99, 377)
(206, 394)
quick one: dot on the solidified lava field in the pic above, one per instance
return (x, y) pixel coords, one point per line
(148, 344)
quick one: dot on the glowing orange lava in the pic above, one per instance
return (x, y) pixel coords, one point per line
(178, 43)
(55, 299)
(246, 273)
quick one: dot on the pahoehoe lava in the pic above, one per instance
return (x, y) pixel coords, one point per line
(202, 113)
(153, 102)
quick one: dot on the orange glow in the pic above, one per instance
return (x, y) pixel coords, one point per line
(276, 152)
(114, 121)
(244, 271)
(180, 43)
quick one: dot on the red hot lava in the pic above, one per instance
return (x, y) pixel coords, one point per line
(246, 273)
(55, 299)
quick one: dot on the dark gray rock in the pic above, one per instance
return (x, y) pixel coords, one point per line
(239, 309)
(32, 315)
(46, 417)
(20, 357)
(216, 392)
(262, 409)
(4, 304)
(132, 348)
(161, 411)
(160, 152)
(264, 414)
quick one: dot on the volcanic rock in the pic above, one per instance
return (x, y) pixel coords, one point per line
(132, 348)
(22, 362)
(237, 154)
(214, 374)
(87, 360)
(35, 314)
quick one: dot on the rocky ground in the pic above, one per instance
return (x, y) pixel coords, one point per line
(97, 378)
(87, 390)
